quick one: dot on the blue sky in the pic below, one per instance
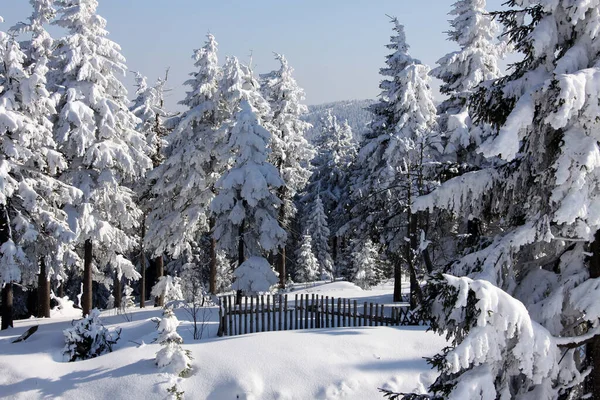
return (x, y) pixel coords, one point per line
(335, 46)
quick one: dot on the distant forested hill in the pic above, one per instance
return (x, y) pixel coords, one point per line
(354, 111)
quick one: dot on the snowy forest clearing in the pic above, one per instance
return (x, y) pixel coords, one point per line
(349, 363)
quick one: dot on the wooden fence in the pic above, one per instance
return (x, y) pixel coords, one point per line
(306, 311)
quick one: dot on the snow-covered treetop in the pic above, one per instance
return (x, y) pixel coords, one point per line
(204, 83)
(254, 276)
(41, 41)
(290, 151)
(246, 191)
(477, 60)
(86, 65)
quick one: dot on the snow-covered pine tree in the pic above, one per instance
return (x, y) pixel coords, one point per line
(246, 206)
(316, 226)
(532, 284)
(307, 264)
(331, 178)
(462, 71)
(366, 272)
(394, 161)
(177, 360)
(149, 108)
(34, 228)
(183, 186)
(290, 151)
(96, 132)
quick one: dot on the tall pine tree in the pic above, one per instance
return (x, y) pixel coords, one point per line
(96, 132)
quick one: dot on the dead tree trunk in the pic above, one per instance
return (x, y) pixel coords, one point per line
(593, 348)
(43, 310)
(86, 298)
(159, 301)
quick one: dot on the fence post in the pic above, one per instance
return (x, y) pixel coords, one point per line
(306, 323)
(296, 311)
(344, 308)
(251, 314)
(221, 321)
(365, 315)
(326, 311)
(355, 312)
(268, 315)
(370, 314)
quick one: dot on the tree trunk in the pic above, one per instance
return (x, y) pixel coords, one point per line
(61, 289)
(7, 306)
(334, 249)
(212, 285)
(241, 259)
(7, 290)
(281, 267)
(593, 348)
(43, 310)
(397, 279)
(411, 250)
(160, 271)
(86, 298)
(143, 266)
(117, 291)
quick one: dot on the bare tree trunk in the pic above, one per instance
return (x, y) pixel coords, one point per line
(160, 271)
(7, 290)
(117, 291)
(212, 285)
(86, 298)
(397, 279)
(43, 292)
(281, 267)
(143, 266)
(593, 348)
(241, 259)
(7, 306)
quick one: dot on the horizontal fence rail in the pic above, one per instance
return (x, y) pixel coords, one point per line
(267, 313)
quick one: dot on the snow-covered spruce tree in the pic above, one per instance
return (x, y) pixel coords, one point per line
(96, 132)
(307, 263)
(474, 30)
(365, 259)
(88, 338)
(290, 151)
(168, 288)
(172, 357)
(246, 206)
(316, 226)
(33, 226)
(395, 162)
(148, 106)
(533, 278)
(184, 184)
(331, 178)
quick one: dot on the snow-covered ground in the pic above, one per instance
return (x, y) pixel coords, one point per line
(349, 363)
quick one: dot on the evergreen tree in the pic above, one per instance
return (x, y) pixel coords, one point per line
(365, 264)
(395, 162)
(183, 186)
(290, 151)
(34, 230)
(331, 178)
(246, 206)
(529, 287)
(96, 132)
(316, 226)
(307, 263)
(462, 71)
